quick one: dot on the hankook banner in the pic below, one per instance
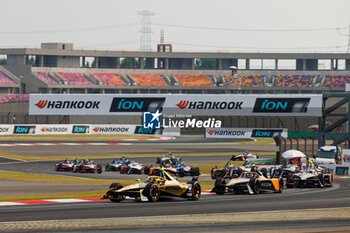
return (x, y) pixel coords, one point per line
(244, 133)
(53, 129)
(175, 104)
(112, 129)
(6, 129)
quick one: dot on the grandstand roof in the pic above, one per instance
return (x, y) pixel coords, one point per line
(222, 55)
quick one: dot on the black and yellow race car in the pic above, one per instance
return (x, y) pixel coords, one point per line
(154, 187)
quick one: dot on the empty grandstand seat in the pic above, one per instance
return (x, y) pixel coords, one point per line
(9, 98)
(243, 80)
(294, 80)
(194, 80)
(4, 79)
(108, 79)
(337, 80)
(148, 79)
(43, 76)
(73, 78)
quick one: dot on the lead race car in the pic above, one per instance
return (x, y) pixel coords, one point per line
(66, 165)
(251, 182)
(153, 188)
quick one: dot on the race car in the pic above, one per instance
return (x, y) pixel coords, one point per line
(132, 168)
(310, 177)
(244, 156)
(65, 165)
(116, 164)
(181, 169)
(235, 165)
(251, 182)
(153, 188)
(168, 159)
(87, 166)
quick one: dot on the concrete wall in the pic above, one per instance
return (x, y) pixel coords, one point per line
(65, 61)
(30, 83)
(16, 59)
(58, 46)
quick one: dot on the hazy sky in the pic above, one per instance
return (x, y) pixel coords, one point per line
(190, 25)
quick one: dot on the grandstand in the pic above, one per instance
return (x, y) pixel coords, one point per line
(9, 83)
(58, 68)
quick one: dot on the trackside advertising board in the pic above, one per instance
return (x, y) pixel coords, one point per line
(72, 129)
(170, 104)
(244, 133)
(6, 129)
(112, 129)
(346, 157)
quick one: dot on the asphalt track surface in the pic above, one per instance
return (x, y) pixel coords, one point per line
(48, 167)
(337, 196)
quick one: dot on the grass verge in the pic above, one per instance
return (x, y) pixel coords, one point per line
(9, 175)
(62, 179)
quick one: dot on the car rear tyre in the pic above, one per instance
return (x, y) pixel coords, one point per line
(255, 185)
(220, 186)
(152, 192)
(181, 172)
(146, 170)
(321, 180)
(212, 173)
(195, 171)
(196, 191)
(281, 185)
